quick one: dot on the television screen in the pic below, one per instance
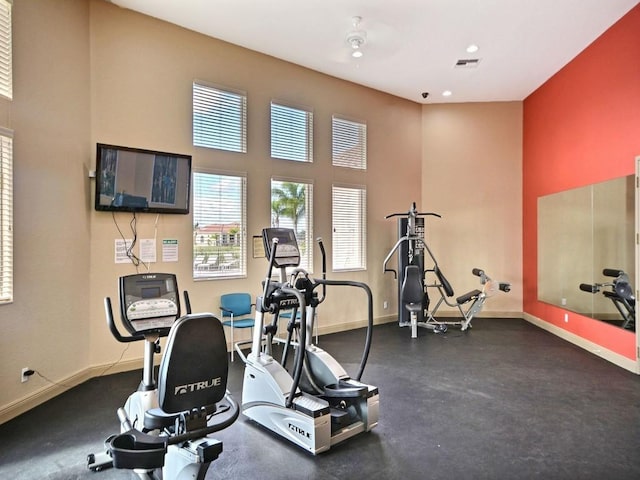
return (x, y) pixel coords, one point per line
(136, 180)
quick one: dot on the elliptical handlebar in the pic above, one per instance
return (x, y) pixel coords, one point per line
(324, 270)
(299, 360)
(369, 336)
(267, 280)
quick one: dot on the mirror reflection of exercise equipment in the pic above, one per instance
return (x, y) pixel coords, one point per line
(620, 292)
(414, 280)
(165, 424)
(313, 402)
(582, 231)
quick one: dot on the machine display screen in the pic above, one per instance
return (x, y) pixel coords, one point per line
(287, 252)
(150, 292)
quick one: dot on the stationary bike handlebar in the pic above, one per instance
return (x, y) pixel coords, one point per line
(227, 418)
(114, 329)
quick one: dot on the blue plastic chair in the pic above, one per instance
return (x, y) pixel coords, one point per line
(235, 309)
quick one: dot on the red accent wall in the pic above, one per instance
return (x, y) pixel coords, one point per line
(580, 127)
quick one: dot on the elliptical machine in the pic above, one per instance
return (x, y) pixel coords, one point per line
(164, 424)
(317, 404)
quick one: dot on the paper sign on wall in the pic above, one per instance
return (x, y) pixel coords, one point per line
(169, 250)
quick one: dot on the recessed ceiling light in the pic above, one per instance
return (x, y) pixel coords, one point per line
(473, 48)
(447, 93)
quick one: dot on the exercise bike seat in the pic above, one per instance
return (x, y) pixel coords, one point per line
(192, 382)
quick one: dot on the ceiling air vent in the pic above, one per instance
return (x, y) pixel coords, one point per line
(467, 63)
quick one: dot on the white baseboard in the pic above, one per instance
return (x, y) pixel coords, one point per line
(591, 347)
(51, 390)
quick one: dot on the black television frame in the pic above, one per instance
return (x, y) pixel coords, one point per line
(161, 181)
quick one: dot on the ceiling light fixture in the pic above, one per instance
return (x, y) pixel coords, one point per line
(356, 38)
(447, 93)
(473, 48)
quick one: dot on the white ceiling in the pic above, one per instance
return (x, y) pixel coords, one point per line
(411, 45)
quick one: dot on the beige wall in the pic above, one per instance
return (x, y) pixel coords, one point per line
(472, 176)
(47, 326)
(88, 72)
(141, 78)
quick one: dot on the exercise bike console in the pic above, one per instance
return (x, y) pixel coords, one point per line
(149, 302)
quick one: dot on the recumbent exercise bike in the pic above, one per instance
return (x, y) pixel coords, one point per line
(164, 424)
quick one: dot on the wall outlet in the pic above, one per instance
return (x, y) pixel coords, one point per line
(385, 304)
(25, 373)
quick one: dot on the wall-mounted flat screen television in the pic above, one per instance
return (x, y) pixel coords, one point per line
(137, 180)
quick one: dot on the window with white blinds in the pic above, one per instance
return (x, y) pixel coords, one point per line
(219, 225)
(6, 75)
(6, 217)
(219, 118)
(349, 217)
(291, 133)
(292, 207)
(348, 143)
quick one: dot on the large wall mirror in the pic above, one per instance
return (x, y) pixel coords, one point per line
(581, 234)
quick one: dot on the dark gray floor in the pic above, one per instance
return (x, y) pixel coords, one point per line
(503, 401)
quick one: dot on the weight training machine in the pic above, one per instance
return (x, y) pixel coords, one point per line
(164, 424)
(620, 292)
(414, 280)
(313, 403)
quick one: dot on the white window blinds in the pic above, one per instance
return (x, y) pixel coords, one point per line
(291, 133)
(6, 81)
(6, 217)
(219, 225)
(219, 118)
(349, 217)
(349, 143)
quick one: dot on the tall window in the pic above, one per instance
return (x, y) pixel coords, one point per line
(219, 225)
(291, 133)
(6, 81)
(219, 118)
(348, 143)
(349, 217)
(292, 207)
(6, 217)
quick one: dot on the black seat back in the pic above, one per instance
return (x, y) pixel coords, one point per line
(448, 289)
(194, 369)
(412, 288)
